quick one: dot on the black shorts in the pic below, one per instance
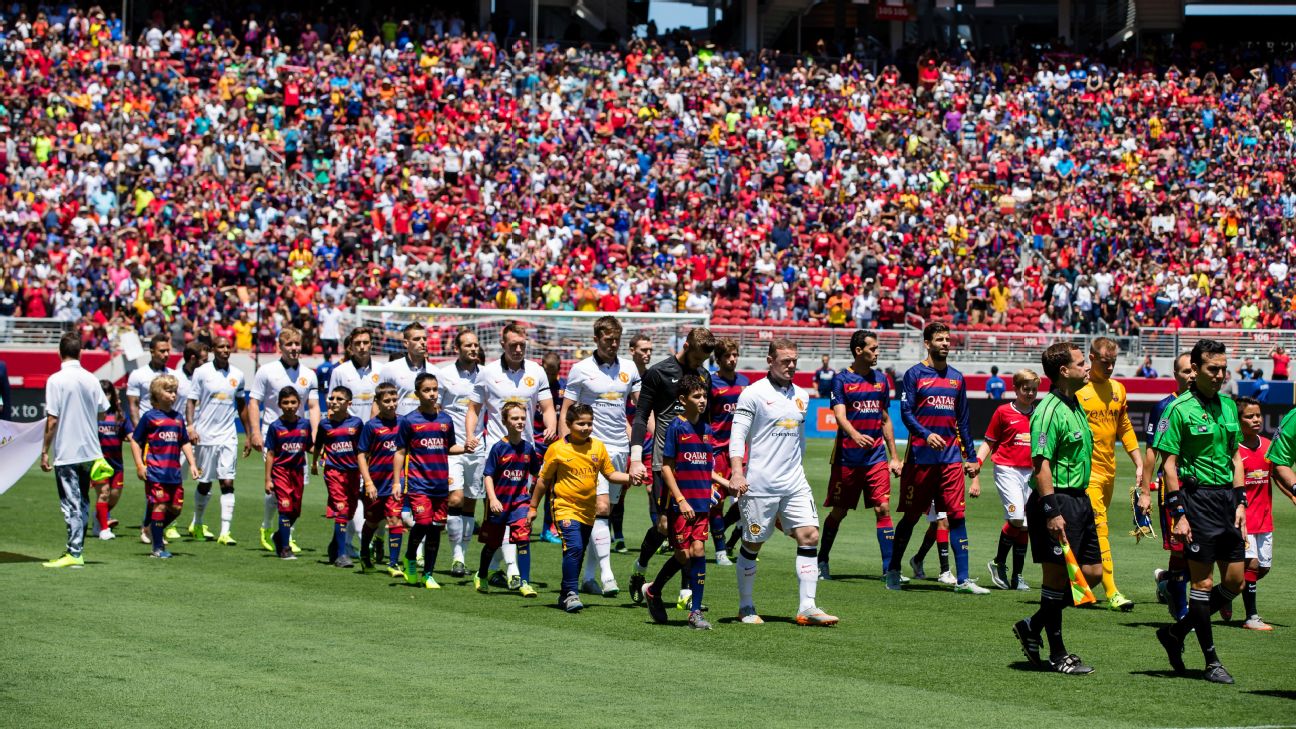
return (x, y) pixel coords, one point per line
(1081, 534)
(1210, 513)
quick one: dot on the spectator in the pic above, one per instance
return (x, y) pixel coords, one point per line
(1146, 369)
(1281, 363)
(995, 385)
(1248, 371)
(824, 377)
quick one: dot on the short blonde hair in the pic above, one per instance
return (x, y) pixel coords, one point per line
(161, 384)
(1025, 377)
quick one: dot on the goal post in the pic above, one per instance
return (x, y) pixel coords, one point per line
(570, 334)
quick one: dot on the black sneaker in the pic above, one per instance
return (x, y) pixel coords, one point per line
(1070, 663)
(636, 587)
(619, 546)
(1173, 648)
(1215, 673)
(1030, 643)
(656, 608)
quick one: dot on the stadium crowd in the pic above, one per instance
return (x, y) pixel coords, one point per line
(175, 181)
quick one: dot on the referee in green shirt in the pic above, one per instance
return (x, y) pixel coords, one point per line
(1059, 511)
(1206, 500)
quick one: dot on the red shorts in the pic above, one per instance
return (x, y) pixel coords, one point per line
(115, 481)
(846, 483)
(941, 483)
(648, 472)
(288, 498)
(492, 532)
(722, 466)
(427, 509)
(343, 493)
(161, 494)
(684, 532)
(381, 507)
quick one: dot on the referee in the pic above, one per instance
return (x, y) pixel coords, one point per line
(1205, 497)
(659, 397)
(1058, 511)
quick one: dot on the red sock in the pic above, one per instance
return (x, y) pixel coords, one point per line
(942, 536)
(1250, 575)
(885, 522)
(1023, 536)
(1009, 530)
(101, 511)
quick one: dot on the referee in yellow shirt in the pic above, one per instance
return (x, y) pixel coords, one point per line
(1105, 402)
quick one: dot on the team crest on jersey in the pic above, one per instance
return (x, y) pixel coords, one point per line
(528, 381)
(1012, 508)
(301, 381)
(233, 382)
(374, 377)
(800, 405)
(624, 377)
(953, 383)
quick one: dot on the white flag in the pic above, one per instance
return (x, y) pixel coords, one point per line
(20, 446)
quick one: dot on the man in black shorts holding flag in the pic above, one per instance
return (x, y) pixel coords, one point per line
(1205, 499)
(1059, 514)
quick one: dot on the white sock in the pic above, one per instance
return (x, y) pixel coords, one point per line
(200, 506)
(227, 511)
(497, 558)
(602, 538)
(270, 518)
(509, 553)
(356, 526)
(469, 528)
(808, 579)
(746, 580)
(454, 531)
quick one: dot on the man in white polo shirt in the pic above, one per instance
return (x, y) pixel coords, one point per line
(216, 401)
(402, 371)
(263, 409)
(511, 378)
(607, 383)
(137, 384)
(357, 373)
(330, 321)
(73, 401)
(458, 379)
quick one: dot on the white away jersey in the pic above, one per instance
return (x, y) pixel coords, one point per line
(215, 394)
(361, 381)
(497, 385)
(402, 375)
(606, 387)
(769, 423)
(139, 381)
(456, 391)
(272, 378)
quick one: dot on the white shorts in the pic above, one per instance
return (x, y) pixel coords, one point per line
(613, 490)
(1013, 484)
(794, 510)
(466, 474)
(216, 462)
(934, 516)
(1260, 548)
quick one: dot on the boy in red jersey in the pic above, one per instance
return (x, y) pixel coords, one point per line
(287, 442)
(510, 467)
(161, 434)
(1007, 444)
(1257, 470)
(339, 436)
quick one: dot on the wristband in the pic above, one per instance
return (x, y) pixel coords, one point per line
(1050, 504)
(1174, 504)
(1240, 496)
(979, 461)
(636, 453)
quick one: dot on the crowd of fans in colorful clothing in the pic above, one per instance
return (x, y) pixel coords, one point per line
(178, 180)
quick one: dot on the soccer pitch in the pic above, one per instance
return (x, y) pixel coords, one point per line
(232, 637)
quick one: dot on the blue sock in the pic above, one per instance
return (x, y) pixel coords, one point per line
(524, 561)
(886, 538)
(155, 530)
(959, 542)
(698, 581)
(339, 538)
(1177, 594)
(284, 537)
(394, 547)
(717, 532)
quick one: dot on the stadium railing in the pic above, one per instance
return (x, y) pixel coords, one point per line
(17, 331)
(1254, 343)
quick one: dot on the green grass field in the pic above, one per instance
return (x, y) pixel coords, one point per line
(231, 637)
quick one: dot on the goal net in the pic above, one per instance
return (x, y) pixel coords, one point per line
(570, 334)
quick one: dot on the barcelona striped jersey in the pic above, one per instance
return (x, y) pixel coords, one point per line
(935, 402)
(537, 416)
(511, 468)
(288, 444)
(112, 434)
(340, 441)
(724, 398)
(427, 442)
(162, 434)
(691, 447)
(378, 441)
(866, 398)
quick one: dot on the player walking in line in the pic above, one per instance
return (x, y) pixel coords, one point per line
(263, 409)
(339, 436)
(376, 457)
(864, 453)
(1059, 514)
(114, 430)
(508, 473)
(769, 424)
(1008, 445)
(157, 443)
(1107, 406)
(216, 400)
(288, 440)
(608, 383)
(641, 349)
(933, 404)
(457, 380)
(138, 403)
(358, 375)
(727, 385)
(1206, 496)
(1257, 466)
(402, 371)
(427, 440)
(1172, 582)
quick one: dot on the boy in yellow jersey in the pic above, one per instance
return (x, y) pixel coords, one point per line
(571, 468)
(1107, 406)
